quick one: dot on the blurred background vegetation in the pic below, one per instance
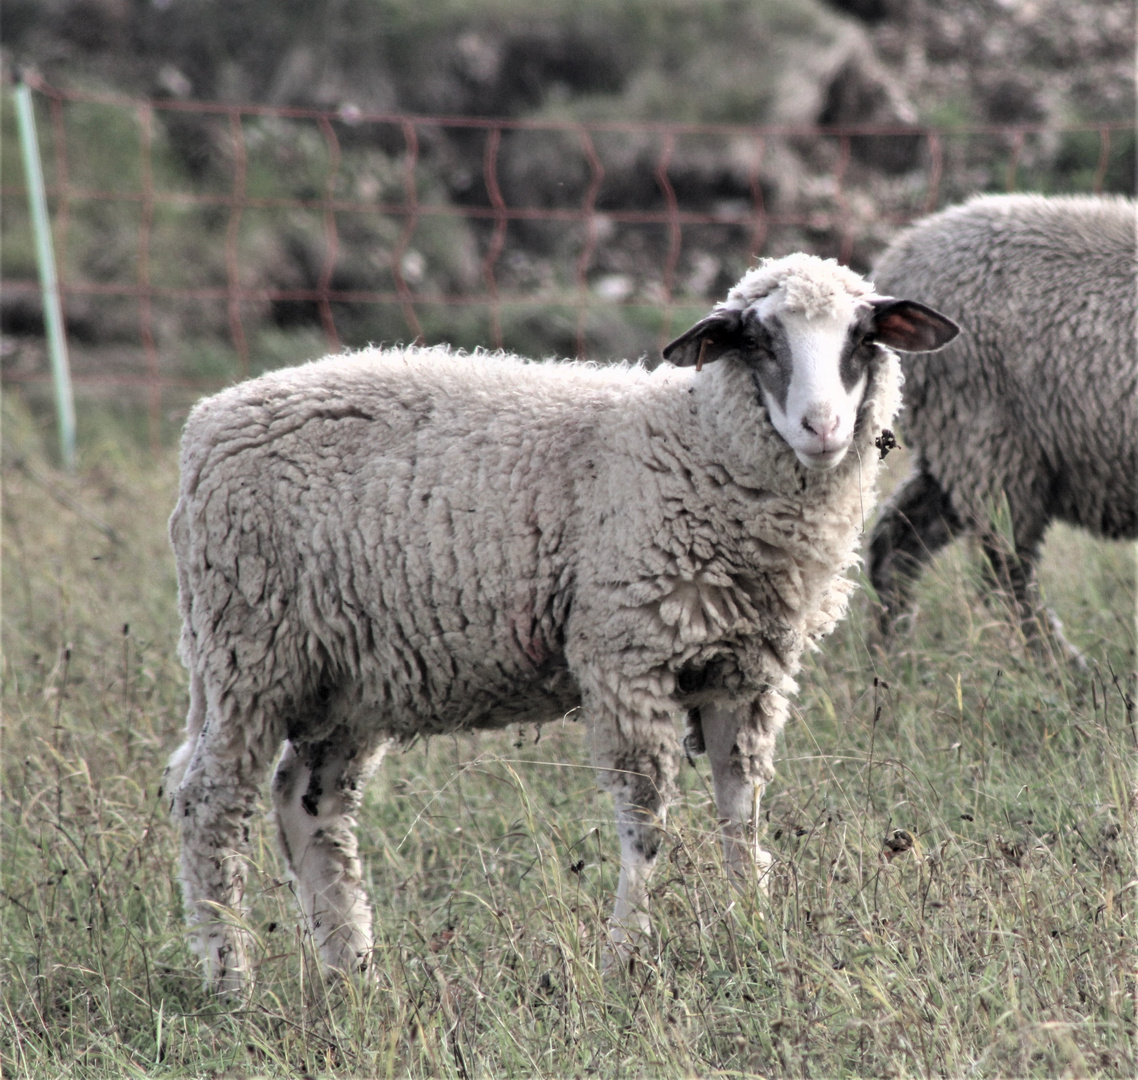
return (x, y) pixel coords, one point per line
(610, 286)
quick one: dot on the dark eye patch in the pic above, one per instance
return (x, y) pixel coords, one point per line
(858, 351)
(767, 353)
(755, 335)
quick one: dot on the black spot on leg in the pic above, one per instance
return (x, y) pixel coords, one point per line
(694, 744)
(310, 800)
(283, 777)
(314, 761)
(648, 844)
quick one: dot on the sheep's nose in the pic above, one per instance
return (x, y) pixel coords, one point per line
(823, 426)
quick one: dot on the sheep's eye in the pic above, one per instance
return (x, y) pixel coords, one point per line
(758, 347)
(764, 358)
(864, 350)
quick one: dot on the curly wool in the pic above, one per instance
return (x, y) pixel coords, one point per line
(804, 289)
(1038, 399)
(435, 535)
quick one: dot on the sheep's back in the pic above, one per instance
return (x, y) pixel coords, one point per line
(1037, 395)
(393, 531)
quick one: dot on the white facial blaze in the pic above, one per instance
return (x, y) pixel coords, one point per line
(819, 414)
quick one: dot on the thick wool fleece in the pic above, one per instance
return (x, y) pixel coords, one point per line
(1038, 397)
(400, 543)
(804, 290)
(417, 541)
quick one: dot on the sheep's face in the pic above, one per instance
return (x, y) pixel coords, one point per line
(811, 362)
(812, 372)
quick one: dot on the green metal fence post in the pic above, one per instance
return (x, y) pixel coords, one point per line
(49, 282)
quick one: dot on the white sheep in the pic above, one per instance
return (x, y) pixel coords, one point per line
(405, 542)
(1036, 402)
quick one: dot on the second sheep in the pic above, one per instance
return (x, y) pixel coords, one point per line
(1031, 415)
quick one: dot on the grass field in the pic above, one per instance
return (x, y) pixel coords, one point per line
(1002, 943)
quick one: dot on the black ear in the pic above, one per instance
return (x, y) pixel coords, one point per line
(708, 340)
(911, 327)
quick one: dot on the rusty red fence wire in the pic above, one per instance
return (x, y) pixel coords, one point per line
(837, 214)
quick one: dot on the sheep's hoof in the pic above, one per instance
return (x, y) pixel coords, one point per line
(748, 865)
(618, 961)
(360, 974)
(1049, 645)
(354, 985)
(1076, 661)
(764, 863)
(620, 951)
(232, 987)
(228, 975)
(344, 966)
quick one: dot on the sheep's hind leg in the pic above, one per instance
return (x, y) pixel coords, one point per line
(317, 790)
(740, 746)
(1011, 574)
(212, 805)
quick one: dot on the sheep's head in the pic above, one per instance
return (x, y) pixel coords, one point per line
(810, 331)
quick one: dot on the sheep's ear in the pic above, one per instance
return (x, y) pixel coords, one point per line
(708, 340)
(911, 327)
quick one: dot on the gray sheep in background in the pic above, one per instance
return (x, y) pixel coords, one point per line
(1035, 402)
(399, 543)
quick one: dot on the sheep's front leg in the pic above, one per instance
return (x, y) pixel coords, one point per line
(317, 790)
(740, 746)
(640, 773)
(641, 830)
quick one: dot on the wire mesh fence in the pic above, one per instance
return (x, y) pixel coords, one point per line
(203, 242)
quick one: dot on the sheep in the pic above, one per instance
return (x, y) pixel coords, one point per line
(398, 543)
(1035, 403)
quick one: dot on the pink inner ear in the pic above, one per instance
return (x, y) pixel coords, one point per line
(912, 328)
(897, 324)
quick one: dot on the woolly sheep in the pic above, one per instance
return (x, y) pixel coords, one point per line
(405, 542)
(1037, 401)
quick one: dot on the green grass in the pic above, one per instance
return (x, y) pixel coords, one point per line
(1000, 944)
